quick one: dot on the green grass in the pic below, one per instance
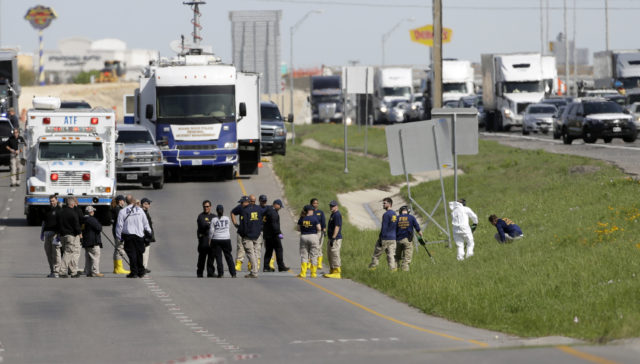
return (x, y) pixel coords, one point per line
(580, 256)
(333, 135)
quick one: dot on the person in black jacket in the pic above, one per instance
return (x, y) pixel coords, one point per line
(69, 232)
(204, 247)
(92, 243)
(251, 230)
(146, 204)
(272, 237)
(118, 252)
(48, 235)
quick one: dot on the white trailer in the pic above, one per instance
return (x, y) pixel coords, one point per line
(510, 83)
(457, 80)
(71, 152)
(550, 75)
(390, 84)
(617, 65)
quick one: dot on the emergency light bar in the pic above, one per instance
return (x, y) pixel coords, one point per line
(70, 129)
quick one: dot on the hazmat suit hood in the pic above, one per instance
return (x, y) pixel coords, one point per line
(454, 205)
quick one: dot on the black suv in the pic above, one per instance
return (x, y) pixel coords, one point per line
(6, 130)
(272, 129)
(594, 118)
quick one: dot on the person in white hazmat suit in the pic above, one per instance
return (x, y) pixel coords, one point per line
(460, 215)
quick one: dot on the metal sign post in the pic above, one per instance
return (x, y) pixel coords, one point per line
(344, 117)
(366, 110)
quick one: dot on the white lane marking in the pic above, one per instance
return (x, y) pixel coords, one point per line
(333, 341)
(9, 199)
(2, 228)
(8, 208)
(560, 142)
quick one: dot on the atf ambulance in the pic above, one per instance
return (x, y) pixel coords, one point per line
(71, 152)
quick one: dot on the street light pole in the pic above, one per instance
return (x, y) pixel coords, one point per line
(386, 36)
(291, 68)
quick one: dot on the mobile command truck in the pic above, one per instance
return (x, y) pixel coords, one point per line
(327, 103)
(9, 81)
(71, 152)
(620, 65)
(204, 115)
(510, 82)
(390, 84)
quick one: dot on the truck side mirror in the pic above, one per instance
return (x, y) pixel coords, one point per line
(148, 111)
(290, 118)
(243, 109)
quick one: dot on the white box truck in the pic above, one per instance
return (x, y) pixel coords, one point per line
(390, 85)
(550, 75)
(510, 83)
(457, 80)
(617, 65)
(71, 152)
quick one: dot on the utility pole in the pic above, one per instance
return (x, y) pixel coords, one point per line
(566, 50)
(606, 22)
(541, 28)
(437, 54)
(574, 53)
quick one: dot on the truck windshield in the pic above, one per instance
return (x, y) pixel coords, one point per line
(631, 82)
(527, 86)
(397, 91)
(321, 83)
(455, 87)
(134, 136)
(86, 151)
(197, 104)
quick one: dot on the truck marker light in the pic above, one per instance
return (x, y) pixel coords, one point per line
(108, 189)
(46, 121)
(86, 177)
(32, 189)
(54, 177)
(94, 121)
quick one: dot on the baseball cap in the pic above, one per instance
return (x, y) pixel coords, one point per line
(308, 208)
(145, 200)
(120, 198)
(333, 203)
(278, 202)
(262, 198)
(89, 209)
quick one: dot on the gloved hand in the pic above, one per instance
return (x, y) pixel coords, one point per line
(56, 241)
(280, 236)
(331, 242)
(420, 240)
(473, 227)
(42, 236)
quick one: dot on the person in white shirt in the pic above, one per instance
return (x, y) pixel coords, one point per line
(132, 224)
(460, 215)
(221, 241)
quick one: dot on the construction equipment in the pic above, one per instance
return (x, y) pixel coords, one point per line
(111, 72)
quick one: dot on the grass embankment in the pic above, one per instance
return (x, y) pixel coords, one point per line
(333, 135)
(579, 260)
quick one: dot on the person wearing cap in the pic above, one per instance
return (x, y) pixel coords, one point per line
(240, 254)
(334, 231)
(69, 232)
(148, 239)
(387, 240)
(273, 237)
(14, 145)
(460, 215)
(204, 246)
(117, 204)
(48, 236)
(310, 229)
(250, 231)
(323, 225)
(13, 118)
(262, 199)
(407, 223)
(92, 243)
(131, 227)
(221, 242)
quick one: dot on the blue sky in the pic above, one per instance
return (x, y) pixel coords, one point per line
(347, 29)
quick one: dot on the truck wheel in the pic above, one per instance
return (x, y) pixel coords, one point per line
(230, 173)
(284, 151)
(158, 185)
(566, 139)
(525, 131)
(588, 136)
(498, 125)
(630, 139)
(33, 217)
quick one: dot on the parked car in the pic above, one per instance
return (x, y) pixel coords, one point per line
(74, 104)
(594, 118)
(474, 101)
(634, 110)
(143, 162)
(538, 118)
(6, 130)
(558, 118)
(417, 107)
(399, 111)
(272, 129)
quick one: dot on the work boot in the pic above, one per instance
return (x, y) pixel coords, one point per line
(320, 262)
(249, 266)
(303, 270)
(118, 268)
(271, 265)
(314, 270)
(284, 269)
(335, 273)
(251, 275)
(238, 265)
(394, 270)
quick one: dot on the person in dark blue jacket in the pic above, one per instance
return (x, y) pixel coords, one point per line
(309, 228)
(250, 230)
(387, 240)
(407, 224)
(92, 243)
(323, 225)
(508, 231)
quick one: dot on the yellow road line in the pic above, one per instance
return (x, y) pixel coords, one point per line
(392, 319)
(244, 191)
(585, 356)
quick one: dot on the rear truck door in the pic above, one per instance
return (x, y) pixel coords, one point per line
(248, 127)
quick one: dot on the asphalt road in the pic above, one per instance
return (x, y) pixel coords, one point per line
(172, 316)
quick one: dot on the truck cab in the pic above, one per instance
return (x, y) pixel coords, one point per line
(142, 161)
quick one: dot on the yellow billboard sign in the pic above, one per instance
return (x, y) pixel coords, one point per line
(424, 35)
